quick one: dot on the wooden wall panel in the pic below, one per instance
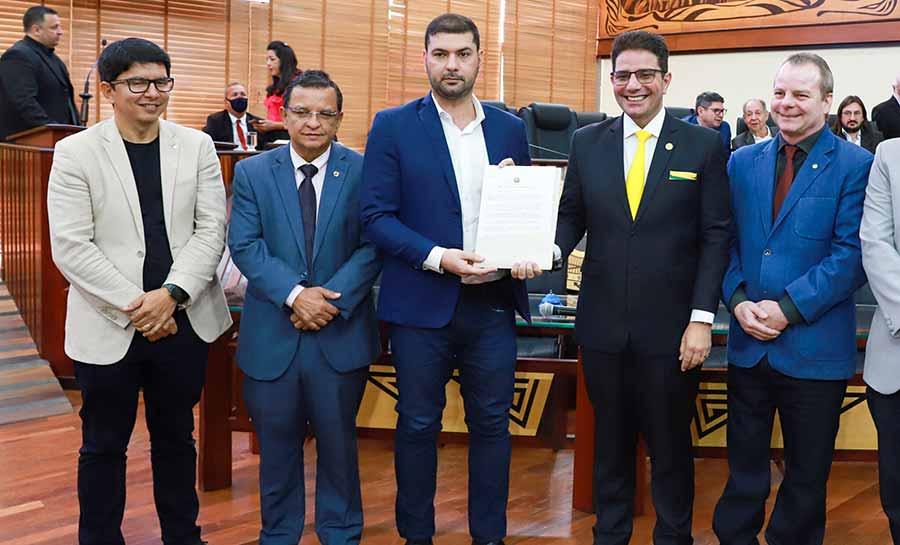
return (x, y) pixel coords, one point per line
(696, 25)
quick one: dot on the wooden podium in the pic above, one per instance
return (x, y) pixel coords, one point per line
(35, 284)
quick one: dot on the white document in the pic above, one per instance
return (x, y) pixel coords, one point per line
(517, 221)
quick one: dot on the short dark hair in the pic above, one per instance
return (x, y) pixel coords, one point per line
(706, 98)
(452, 23)
(120, 55)
(35, 16)
(316, 79)
(826, 77)
(641, 39)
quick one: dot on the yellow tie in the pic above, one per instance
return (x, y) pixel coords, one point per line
(634, 185)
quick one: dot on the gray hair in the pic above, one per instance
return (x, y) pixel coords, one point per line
(826, 78)
(761, 103)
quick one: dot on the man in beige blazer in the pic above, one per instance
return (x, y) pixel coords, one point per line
(881, 260)
(137, 226)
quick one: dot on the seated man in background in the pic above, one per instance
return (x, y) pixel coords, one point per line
(709, 112)
(234, 122)
(755, 117)
(852, 124)
(887, 114)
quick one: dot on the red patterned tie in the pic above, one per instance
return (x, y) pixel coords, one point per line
(784, 181)
(240, 131)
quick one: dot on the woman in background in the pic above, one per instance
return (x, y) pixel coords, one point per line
(282, 65)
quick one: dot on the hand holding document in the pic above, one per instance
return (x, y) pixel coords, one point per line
(517, 222)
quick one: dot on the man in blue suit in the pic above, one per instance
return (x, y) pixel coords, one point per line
(308, 330)
(422, 173)
(795, 265)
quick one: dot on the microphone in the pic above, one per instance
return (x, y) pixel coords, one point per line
(86, 96)
(559, 153)
(549, 309)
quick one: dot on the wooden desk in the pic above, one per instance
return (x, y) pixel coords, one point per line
(222, 410)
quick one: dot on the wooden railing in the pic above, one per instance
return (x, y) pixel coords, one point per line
(35, 284)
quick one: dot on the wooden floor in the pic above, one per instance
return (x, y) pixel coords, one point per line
(38, 504)
(28, 388)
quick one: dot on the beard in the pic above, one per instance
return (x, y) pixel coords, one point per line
(851, 128)
(463, 88)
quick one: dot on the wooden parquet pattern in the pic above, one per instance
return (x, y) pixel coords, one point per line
(28, 388)
(38, 504)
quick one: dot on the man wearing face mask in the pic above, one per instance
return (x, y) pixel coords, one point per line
(234, 122)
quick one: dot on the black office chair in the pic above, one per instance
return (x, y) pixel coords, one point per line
(543, 347)
(740, 126)
(549, 128)
(584, 119)
(679, 112)
(500, 105)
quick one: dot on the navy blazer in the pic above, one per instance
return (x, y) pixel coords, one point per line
(410, 204)
(267, 244)
(810, 252)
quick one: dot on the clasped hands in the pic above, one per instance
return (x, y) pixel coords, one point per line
(763, 321)
(462, 263)
(311, 309)
(151, 314)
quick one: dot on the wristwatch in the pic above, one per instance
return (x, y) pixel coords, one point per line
(177, 293)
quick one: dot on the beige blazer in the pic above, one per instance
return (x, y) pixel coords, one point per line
(880, 238)
(97, 235)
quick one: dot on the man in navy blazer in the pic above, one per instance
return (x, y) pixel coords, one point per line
(421, 193)
(795, 265)
(308, 330)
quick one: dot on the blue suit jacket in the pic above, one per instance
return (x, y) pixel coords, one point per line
(410, 203)
(724, 130)
(267, 244)
(811, 252)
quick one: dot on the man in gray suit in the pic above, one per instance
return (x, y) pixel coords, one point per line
(881, 259)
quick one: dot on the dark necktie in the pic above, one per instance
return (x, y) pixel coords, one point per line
(308, 208)
(784, 181)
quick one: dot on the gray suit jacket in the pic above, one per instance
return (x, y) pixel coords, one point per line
(881, 259)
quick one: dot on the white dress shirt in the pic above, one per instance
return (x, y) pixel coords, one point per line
(468, 153)
(321, 163)
(234, 134)
(848, 138)
(758, 139)
(630, 145)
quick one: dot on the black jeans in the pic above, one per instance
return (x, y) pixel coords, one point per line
(885, 411)
(170, 372)
(810, 412)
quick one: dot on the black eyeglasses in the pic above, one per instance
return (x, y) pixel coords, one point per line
(140, 85)
(644, 75)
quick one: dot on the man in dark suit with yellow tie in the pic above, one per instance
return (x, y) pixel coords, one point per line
(651, 192)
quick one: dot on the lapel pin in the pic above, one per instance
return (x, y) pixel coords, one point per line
(335, 174)
(670, 146)
(815, 166)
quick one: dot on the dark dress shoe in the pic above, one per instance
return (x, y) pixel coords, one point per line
(414, 542)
